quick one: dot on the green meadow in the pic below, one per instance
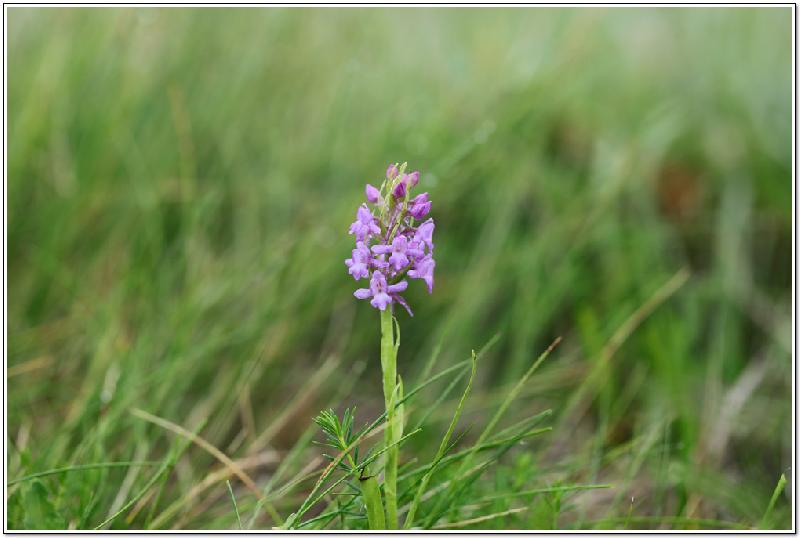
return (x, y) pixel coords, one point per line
(180, 183)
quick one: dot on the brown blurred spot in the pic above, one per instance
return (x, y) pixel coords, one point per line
(570, 143)
(621, 432)
(680, 192)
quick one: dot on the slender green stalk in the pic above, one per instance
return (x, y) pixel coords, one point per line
(772, 501)
(389, 367)
(235, 506)
(84, 467)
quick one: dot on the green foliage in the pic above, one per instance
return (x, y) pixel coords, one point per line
(455, 495)
(179, 186)
(39, 511)
(440, 453)
(338, 432)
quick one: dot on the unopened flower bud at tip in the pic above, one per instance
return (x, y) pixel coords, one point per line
(373, 194)
(420, 207)
(400, 189)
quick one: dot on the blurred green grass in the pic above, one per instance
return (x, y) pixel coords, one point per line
(180, 183)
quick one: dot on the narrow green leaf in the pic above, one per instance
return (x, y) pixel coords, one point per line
(235, 507)
(81, 468)
(772, 501)
(442, 448)
(537, 491)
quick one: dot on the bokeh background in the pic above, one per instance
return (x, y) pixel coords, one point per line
(181, 181)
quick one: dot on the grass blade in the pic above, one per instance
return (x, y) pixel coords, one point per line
(235, 507)
(83, 467)
(486, 446)
(442, 448)
(161, 470)
(481, 519)
(537, 491)
(488, 430)
(772, 501)
(165, 466)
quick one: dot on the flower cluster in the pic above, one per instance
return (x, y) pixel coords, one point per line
(393, 241)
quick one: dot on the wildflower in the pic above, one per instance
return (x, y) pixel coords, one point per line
(424, 269)
(415, 249)
(382, 294)
(398, 248)
(359, 262)
(364, 224)
(391, 241)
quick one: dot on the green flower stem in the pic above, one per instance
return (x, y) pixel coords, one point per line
(389, 367)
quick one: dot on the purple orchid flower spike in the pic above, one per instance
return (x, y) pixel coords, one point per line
(391, 242)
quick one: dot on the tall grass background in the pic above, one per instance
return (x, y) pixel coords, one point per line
(179, 187)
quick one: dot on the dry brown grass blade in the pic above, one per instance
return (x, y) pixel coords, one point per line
(205, 445)
(218, 476)
(29, 366)
(468, 522)
(212, 478)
